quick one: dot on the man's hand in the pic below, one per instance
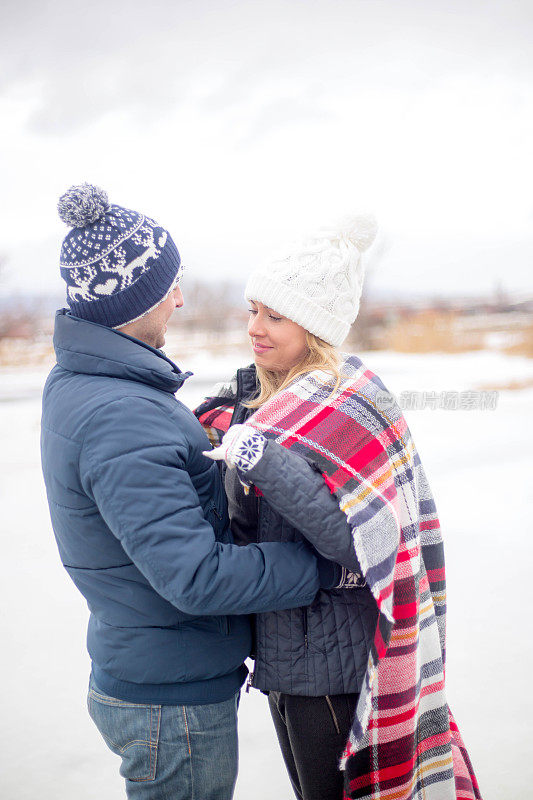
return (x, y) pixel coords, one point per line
(242, 446)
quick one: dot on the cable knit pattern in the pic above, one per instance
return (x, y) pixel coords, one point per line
(318, 283)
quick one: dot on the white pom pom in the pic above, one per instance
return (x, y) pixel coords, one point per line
(82, 205)
(359, 229)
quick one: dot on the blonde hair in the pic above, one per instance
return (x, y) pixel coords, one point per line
(320, 355)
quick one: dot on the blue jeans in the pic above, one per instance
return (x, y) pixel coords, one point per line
(170, 752)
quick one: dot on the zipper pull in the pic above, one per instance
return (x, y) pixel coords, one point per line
(249, 681)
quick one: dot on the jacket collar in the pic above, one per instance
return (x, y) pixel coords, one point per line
(246, 383)
(93, 349)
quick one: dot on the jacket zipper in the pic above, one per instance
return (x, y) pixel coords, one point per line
(251, 674)
(258, 500)
(250, 680)
(306, 638)
(224, 619)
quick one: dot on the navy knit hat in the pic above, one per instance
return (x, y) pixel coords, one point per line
(118, 264)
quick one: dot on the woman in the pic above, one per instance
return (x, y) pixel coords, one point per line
(358, 676)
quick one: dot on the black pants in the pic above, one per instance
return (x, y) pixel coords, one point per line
(312, 733)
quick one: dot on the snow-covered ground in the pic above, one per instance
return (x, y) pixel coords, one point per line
(477, 463)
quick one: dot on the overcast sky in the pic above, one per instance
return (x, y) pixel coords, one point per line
(238, 125)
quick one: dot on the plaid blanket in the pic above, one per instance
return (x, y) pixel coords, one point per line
(404, 743)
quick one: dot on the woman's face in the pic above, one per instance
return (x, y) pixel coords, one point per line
(278, 343)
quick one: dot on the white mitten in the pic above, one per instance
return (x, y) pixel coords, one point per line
(242, 446)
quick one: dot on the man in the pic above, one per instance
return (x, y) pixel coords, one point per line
(140, 516)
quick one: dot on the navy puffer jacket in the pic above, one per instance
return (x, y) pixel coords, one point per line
(140, 519)
(323, 648)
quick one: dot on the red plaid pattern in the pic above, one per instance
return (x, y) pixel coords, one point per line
(404, 743)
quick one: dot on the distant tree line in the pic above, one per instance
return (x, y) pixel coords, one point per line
(211, 306)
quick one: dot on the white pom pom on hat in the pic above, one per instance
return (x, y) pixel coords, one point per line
(361, 230)
(318, 284)
(82, 205)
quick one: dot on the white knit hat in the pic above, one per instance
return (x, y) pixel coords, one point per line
(318, 284)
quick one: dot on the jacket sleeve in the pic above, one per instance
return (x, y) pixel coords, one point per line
(297, 491)
(133, 465)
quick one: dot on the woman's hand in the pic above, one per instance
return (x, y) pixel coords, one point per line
(242, 446)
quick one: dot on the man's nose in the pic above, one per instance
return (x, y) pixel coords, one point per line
(178, 297)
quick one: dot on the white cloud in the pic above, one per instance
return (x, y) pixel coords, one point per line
(237, 124)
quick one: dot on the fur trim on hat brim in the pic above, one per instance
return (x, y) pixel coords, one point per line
(297, 307)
